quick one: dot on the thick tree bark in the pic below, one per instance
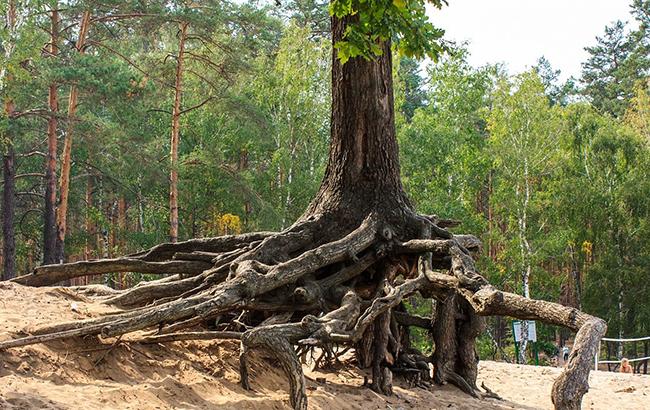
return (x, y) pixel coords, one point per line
(363, 171)
(176, 115)
(49, 216)
(381, 375)
(66, 161)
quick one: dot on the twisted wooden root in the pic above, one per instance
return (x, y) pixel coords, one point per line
(295, 288)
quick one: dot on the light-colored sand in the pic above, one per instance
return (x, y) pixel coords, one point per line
(75, 374)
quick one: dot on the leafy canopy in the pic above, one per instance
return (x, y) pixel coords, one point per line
(372, 22)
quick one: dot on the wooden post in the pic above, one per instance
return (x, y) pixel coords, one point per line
(645, 354)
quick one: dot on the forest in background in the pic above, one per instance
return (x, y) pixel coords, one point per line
(229, 103)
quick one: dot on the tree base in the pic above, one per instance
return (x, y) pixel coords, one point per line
(323, 286)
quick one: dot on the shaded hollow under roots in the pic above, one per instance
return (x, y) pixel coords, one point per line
(324, 287)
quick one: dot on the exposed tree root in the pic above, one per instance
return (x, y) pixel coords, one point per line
(489, 393)
(52, 274)
(315, 290)
(155, 260)
(176, 337)
(573, 383)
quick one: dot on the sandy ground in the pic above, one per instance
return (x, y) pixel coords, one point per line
(82, 374)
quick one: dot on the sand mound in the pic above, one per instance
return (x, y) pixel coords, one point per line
(83, 374)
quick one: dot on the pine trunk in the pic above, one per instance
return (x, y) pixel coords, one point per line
(121, 236)
(90, 226)
(8, 214)
(176, 114)
(363, 172)
(8, 161)
(49, 223)
(66, 163)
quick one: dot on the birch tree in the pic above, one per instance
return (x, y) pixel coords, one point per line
(524, 136)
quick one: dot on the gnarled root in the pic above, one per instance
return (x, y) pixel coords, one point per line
(155, 260)
(455, 330)
(275, 341)
(382, 378)
(573, 383)
(301, 287)
(279, 340)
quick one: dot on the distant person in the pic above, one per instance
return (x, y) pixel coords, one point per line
(565, 354)
(625, 366)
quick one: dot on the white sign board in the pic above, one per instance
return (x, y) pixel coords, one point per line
(518, 330)
(532, 331)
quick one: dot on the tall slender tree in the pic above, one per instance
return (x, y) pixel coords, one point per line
(525, 133)
(9, 155)
(66, 159)
(49, 219)
(176, 114)
(617, 62)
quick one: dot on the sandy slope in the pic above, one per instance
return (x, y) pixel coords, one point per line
(75, 374)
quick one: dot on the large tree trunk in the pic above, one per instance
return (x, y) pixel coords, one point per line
(363, 177)
(176, 116)
(66, 161)
(49, 216)
(363, 172)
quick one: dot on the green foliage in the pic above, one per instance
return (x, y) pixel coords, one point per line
(442, 165)
(617, 62)
(409, 91)
(608, 164)
(420, 338)
(254, 138)
(637, 115)
(524, 140)
(373, 21)
(557, 93)
(482, 138)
